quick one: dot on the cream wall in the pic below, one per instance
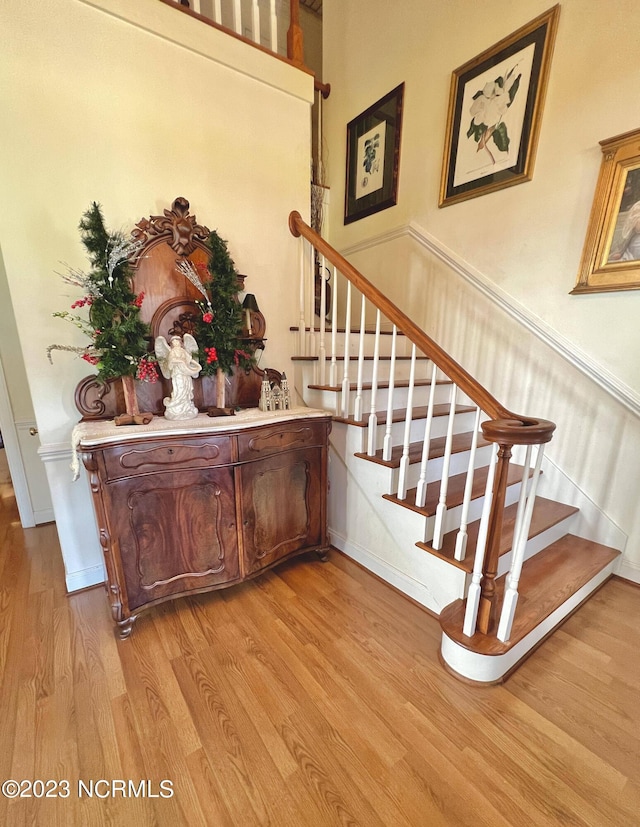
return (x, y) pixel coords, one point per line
(132, 105)
(452, 269)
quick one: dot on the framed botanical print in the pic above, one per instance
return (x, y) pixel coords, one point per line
(373, 157)
(495, 110)
(611, 254)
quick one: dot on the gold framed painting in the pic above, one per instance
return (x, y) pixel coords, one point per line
(611, 254)
(495, 110)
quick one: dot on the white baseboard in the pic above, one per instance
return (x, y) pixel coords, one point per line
(630, 571)
(44, 515)
(84, 578)
(398, 579)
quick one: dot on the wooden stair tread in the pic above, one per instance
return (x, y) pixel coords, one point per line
(546, 513)
(461, 442)
(400, 414)
(548, 580)
(455, 491)
(366, 386)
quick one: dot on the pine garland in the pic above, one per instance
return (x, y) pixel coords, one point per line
(218, 331)
(119, 338)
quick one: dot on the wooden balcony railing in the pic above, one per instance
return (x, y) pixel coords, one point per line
(335, 339)
(272, 25)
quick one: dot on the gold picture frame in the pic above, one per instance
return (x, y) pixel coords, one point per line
(611, 254)
(495, 110)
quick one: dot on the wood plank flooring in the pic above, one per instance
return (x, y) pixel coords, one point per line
(309, 697)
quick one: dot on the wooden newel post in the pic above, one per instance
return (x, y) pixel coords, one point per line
(295, 38)
(488, 608)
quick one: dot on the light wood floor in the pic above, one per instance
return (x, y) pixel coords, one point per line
(310, 696)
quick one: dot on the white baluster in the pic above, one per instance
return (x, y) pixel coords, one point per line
(441, 510)
(255, 20)
(357, 411)
(473, 596)
(322, 351)
(347, 345)
(511, 592)
(404, 462)
(461, 539)
(387, 446)
(217, 11)
(311, 274)
(522, 501)
(236, 9)
(195, 5)
(302, 338)
(421, 490)
(274, 25)
(333, 371)
(373, 415)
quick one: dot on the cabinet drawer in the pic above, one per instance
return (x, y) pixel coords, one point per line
(287, 436)
(128, 460)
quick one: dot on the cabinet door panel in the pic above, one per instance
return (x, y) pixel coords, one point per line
(282, 507)
(176, 532)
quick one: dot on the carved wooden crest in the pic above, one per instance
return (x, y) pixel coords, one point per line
(179, 229)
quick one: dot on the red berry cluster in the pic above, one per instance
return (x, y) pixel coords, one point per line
(212, 354)
(88, 300)
(137, 302)
(147, 371)
(92, 360)
(207, 318)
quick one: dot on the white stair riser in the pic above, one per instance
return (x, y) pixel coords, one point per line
(458, 464)
(453, 515)
(330, 400)
(462, 423)
(312, 348)
(538, 543)
(313, 371)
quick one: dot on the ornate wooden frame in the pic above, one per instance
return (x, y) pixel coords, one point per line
(604, 265)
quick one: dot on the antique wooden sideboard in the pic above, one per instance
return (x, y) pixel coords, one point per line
(188, 507)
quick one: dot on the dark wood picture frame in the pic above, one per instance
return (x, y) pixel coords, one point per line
(611, 253)
(373, 157)
(505, 85)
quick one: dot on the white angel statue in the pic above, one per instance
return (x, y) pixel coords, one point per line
(177, 363)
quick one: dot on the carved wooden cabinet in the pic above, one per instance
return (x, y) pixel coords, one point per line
(187, 507)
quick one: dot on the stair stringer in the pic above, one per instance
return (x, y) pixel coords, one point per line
(379, 534)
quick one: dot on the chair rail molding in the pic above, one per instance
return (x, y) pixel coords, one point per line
(602, 377)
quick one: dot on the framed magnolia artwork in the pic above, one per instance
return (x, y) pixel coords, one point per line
(495, 109)
(611, 254)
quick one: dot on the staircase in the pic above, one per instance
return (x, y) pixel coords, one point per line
(435, 487)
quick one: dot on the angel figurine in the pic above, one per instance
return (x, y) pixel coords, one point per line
(177, 363)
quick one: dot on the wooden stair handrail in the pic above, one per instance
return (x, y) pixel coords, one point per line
(506, 428)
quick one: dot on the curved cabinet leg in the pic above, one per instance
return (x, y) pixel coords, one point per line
(125, 627)
(323, 554)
